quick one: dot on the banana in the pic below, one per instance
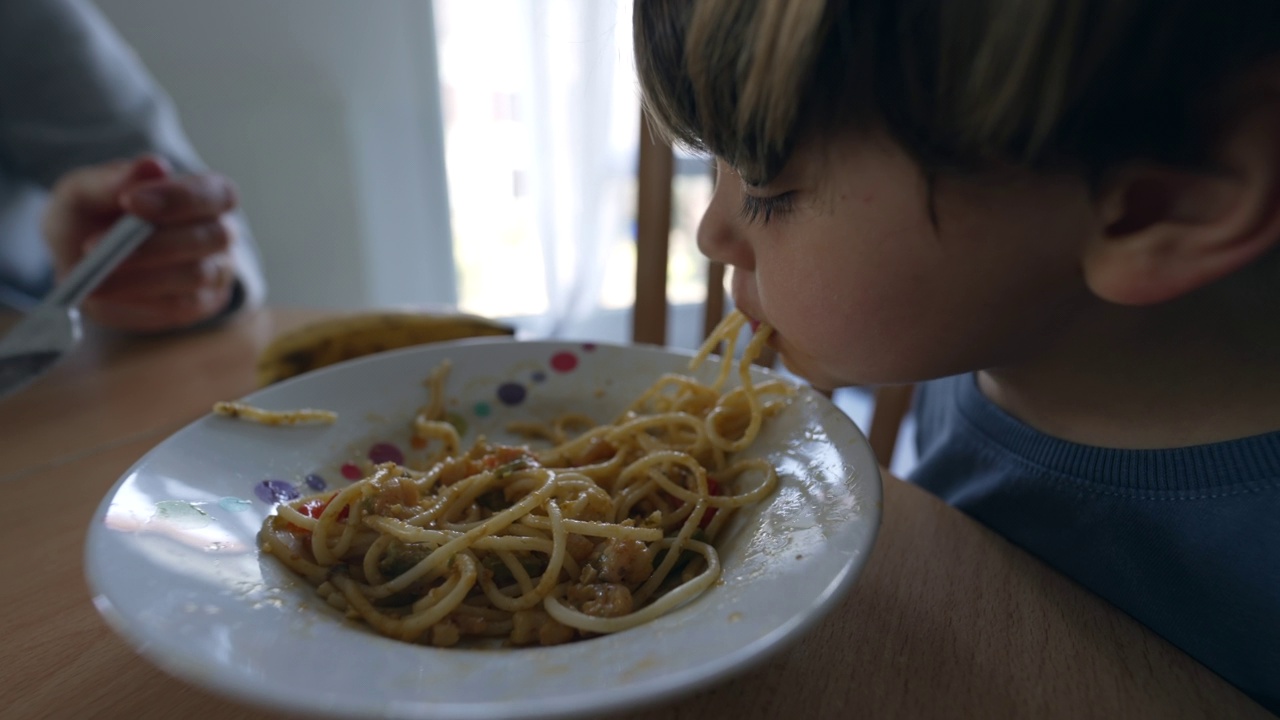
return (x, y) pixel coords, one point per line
(331, 340)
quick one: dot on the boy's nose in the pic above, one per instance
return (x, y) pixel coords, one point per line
(719, 237)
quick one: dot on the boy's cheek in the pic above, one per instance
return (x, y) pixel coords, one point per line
(803, 367)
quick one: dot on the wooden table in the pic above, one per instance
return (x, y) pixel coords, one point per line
(947, 620)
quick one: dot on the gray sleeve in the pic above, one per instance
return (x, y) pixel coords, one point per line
(73, 93)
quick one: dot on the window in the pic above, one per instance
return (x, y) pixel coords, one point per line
(541, 115)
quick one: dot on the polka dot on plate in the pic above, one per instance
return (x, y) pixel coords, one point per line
(274, 491)
(482, 409)
(386, 452)
(564, 362)
(589, 347)
(182, 514)
(351, 471)
(315, 482)
(234, 504)
(511, 393)
(538, 376)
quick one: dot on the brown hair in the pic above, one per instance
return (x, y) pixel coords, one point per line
(962, 84)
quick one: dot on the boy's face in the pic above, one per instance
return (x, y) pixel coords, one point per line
(862, 287)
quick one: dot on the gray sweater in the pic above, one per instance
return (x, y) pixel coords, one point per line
(73, 93)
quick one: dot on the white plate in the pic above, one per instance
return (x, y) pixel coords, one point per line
(174, 567)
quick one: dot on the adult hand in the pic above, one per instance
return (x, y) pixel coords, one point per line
(181, 275)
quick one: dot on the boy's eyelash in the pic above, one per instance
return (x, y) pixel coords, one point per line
(763, 209)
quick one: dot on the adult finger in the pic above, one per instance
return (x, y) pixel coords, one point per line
(98, 187)
(86, 200)
(159, 314)
(149, 283)
(177, 244)
(182, 199)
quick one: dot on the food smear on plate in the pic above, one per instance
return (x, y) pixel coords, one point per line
(610, 527)
(302, 416)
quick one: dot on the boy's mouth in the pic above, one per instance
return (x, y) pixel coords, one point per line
(774, 337)
(754, 323)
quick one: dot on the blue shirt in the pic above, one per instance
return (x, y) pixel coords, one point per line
(1185, 540)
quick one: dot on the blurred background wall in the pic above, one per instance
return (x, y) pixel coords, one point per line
(326, 113)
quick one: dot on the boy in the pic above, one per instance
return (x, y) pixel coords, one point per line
(1067, 211)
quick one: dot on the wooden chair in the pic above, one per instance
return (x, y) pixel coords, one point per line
(649, 321)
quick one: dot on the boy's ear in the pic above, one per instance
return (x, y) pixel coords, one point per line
(1166, 231)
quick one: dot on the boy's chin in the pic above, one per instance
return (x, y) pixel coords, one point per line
(797, 367)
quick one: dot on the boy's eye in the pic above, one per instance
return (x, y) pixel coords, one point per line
(763, 209)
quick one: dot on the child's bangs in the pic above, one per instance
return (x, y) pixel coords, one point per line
(729, 77)
(962, 86)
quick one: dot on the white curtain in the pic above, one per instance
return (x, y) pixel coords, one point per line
(541, 126)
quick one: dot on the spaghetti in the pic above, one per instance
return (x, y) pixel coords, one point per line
(609, 528)
(303, 416)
